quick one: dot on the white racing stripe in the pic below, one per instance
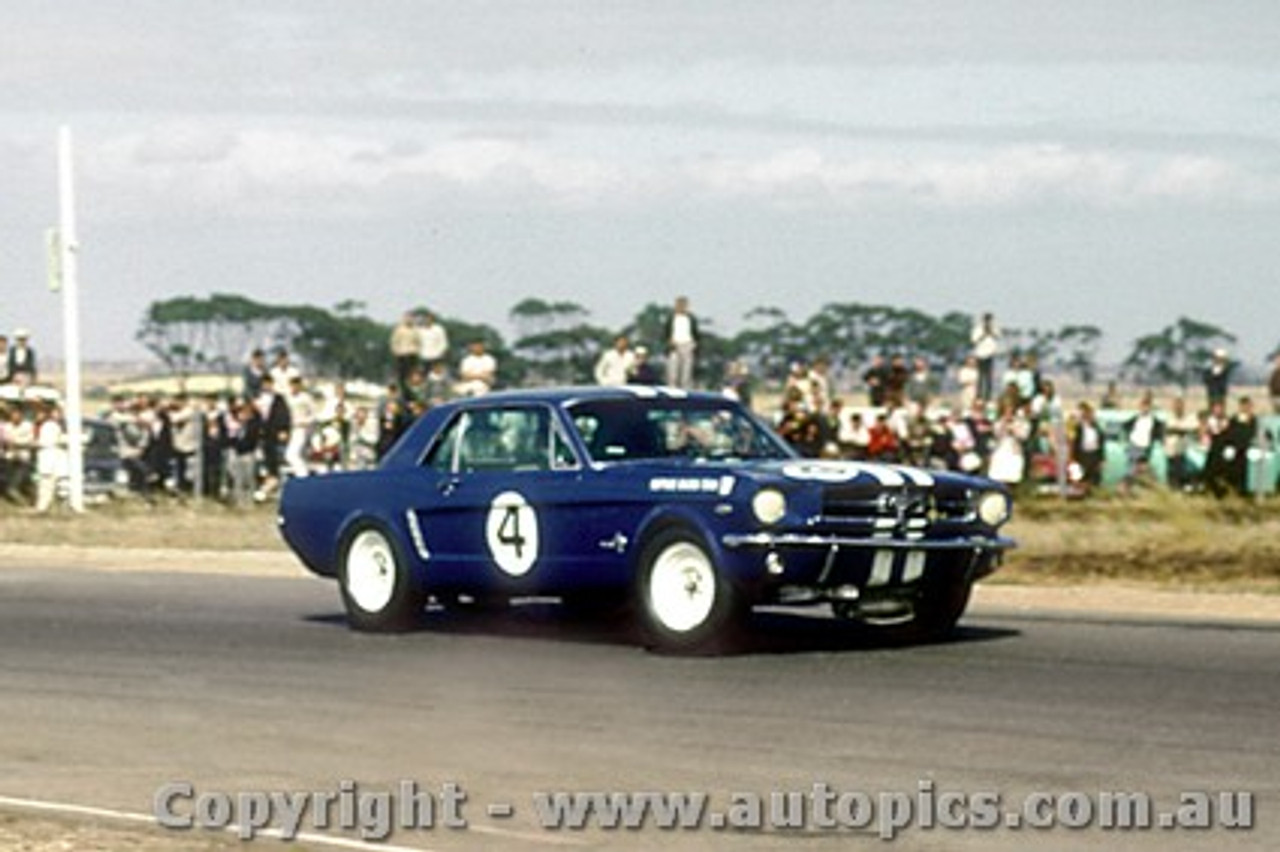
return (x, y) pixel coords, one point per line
(918, 476)
(914, 568)
(881, 569)
(841, 471)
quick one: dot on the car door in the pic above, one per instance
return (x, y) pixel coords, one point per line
(493, 514)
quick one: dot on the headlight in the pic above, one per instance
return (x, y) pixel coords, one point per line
(769, 505)
(993, 508)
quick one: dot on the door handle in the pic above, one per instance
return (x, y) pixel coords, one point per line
(449, 486)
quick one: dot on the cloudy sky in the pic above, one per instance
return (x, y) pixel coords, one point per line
(1107, 161)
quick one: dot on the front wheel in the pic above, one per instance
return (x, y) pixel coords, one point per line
(683, 602)
(377, 591)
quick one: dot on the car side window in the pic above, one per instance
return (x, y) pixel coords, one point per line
(441, 457)
(497, 439)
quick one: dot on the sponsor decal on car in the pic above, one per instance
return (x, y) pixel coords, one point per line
(722, 485)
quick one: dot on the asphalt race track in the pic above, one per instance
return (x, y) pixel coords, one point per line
(113, 685)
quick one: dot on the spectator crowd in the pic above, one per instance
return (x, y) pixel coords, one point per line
(1015, 428)
(1010, 424)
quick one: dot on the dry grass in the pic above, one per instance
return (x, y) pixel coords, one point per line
(132, 523)
(1158, 538)
(1166, 539)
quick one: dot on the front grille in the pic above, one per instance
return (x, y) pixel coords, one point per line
(873, 505)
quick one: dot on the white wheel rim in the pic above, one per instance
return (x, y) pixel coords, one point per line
(682, 587)
(371, 571)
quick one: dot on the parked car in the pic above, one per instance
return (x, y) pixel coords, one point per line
(684, 504)
(104, 471)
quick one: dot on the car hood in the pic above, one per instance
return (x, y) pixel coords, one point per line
(685, 473)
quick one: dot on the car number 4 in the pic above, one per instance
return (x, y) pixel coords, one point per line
(512, 533)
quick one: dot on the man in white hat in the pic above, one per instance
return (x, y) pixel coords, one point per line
(22, 359)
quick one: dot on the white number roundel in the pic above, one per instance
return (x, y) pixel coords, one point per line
(512, 533)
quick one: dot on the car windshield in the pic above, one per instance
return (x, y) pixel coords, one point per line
(665, 428)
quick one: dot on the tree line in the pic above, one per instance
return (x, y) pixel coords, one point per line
(556, 342)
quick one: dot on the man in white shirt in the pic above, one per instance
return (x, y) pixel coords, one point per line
(614, 366)
(1144, 430)
(50, 457)
(433, 340)
(476, 371)
(406, 346)
(682, 344)
(986, 346)
(283, 372)
(302, 419)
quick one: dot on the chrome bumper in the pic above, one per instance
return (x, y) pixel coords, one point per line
(774, 541)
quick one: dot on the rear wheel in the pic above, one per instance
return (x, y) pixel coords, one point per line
(683, 602)
(377, 591)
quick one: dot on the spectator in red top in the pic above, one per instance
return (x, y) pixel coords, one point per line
(884, 443)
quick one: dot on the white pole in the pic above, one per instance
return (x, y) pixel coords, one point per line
(70, 321)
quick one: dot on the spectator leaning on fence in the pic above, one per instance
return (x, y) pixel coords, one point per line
(48, 451)
(244, 440)
(1088, 446)
(302, 418)
(1180, 430)
(19, 437)
(185, 419)
(1227, 466)
(1143, 431)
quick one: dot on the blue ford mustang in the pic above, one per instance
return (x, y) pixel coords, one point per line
(683, 505)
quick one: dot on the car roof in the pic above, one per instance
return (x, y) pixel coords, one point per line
(408, 449)
(564, 395)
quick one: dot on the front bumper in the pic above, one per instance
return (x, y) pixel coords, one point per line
(800, 567)
(778, 541)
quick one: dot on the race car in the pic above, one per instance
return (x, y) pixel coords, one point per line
(685, 506)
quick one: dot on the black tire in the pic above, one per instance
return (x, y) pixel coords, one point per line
(682, 601)
(373, 575)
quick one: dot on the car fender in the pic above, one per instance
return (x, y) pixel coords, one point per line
(397, 528)
(690, 516)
